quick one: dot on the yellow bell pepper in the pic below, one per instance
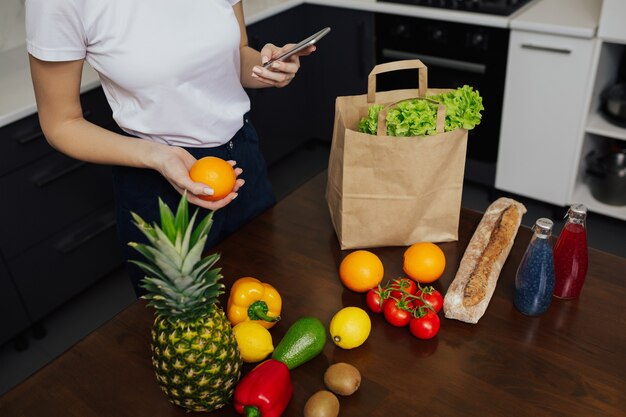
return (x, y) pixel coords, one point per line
(251, 299)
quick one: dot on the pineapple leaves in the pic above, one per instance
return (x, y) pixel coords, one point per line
(169, 252)
(179, 282)
(167, 220)
(202, 229)
(143, 226)
(187, 239)
(193, 256)
(143, 249)
(206, 263)
(182, 214)
(149, 269)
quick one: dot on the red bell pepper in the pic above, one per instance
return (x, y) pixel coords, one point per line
(265, 391)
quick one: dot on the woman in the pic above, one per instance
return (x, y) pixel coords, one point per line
(174, 74)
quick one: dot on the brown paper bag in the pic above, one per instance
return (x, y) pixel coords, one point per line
(393, 191)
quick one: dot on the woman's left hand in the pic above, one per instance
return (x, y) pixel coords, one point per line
(279, 73)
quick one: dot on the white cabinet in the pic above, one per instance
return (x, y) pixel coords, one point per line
(599, 133)
(543, 115)
(612, 27)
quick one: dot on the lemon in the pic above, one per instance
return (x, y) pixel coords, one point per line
(254, 341)
(350, 327)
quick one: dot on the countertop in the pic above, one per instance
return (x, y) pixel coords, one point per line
(568, 362)
(578, 18)
(564, 17)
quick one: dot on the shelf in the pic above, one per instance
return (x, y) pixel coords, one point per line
(598, 125)
(582, 194)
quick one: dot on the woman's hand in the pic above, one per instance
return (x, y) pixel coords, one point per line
(279, 73)
(174, 164)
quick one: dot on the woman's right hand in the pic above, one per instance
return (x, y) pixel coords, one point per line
(174, 163)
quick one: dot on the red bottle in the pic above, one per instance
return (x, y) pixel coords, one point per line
(570, 254)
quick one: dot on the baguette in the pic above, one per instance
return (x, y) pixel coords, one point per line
(469, 294)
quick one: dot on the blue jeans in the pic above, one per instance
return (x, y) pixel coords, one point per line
(138, 190)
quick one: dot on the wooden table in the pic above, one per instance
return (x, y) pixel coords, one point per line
(569, 362)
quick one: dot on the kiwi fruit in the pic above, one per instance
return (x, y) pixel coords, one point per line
(322, 404)
(342, 378)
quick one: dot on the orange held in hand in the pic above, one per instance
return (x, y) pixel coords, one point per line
(424, 262)
(361, 271)
(217, 174)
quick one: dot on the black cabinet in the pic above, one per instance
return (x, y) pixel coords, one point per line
(13, 316)
(57, 219)
(342, 62)
(278, 113)
(288, 117)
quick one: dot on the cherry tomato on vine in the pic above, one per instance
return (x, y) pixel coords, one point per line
(373, 301)
(430, 296)
(396, 313)
(425, 327)
(402, 284)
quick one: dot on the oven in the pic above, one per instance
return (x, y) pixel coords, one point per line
(455, 54)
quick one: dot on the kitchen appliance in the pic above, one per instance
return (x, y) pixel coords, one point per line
(497, 7)
(455, 54)
(606, 175)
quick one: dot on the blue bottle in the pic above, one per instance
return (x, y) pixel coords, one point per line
(534, 282)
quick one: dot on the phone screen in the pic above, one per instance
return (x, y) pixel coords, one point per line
(311, 40)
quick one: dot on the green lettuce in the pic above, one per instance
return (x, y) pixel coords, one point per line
(419, 117)
(369, 124)
(463, 107)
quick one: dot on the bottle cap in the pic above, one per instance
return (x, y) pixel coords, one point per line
(543, 227)
(578, 208)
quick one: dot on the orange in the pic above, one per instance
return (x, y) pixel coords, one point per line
(361, 271)
(216, 173)
(424, 262)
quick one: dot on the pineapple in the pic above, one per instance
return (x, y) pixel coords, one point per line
(194, 352)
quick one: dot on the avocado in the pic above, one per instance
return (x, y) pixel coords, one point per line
(304, 340)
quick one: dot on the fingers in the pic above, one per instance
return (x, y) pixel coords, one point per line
(195, 190)
(232, 163)
(279, 73)
(238, 184)
(213, 205)
(307, 51)
(269, 50)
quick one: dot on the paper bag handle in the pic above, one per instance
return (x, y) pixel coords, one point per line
(422, 77)
(382, 116)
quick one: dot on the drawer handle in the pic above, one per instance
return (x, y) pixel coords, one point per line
(546, 48)
(53, 176)
(79, 238)
(30, 138)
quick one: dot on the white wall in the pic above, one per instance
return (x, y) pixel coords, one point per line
(12, 32)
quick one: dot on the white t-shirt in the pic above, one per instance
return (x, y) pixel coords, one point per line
(169, 68)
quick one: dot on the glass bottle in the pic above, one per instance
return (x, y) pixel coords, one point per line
(570, 254)
(534, 281)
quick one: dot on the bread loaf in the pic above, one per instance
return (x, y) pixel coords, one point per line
(469, 294)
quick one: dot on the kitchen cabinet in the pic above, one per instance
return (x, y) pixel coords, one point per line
(58, 220)
(342, 62)
(611, 27)
(287, 118)
(13, 315)
(543, 114)
(277, 113)
(599, 134)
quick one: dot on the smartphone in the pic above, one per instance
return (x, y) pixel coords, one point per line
(311, 40)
